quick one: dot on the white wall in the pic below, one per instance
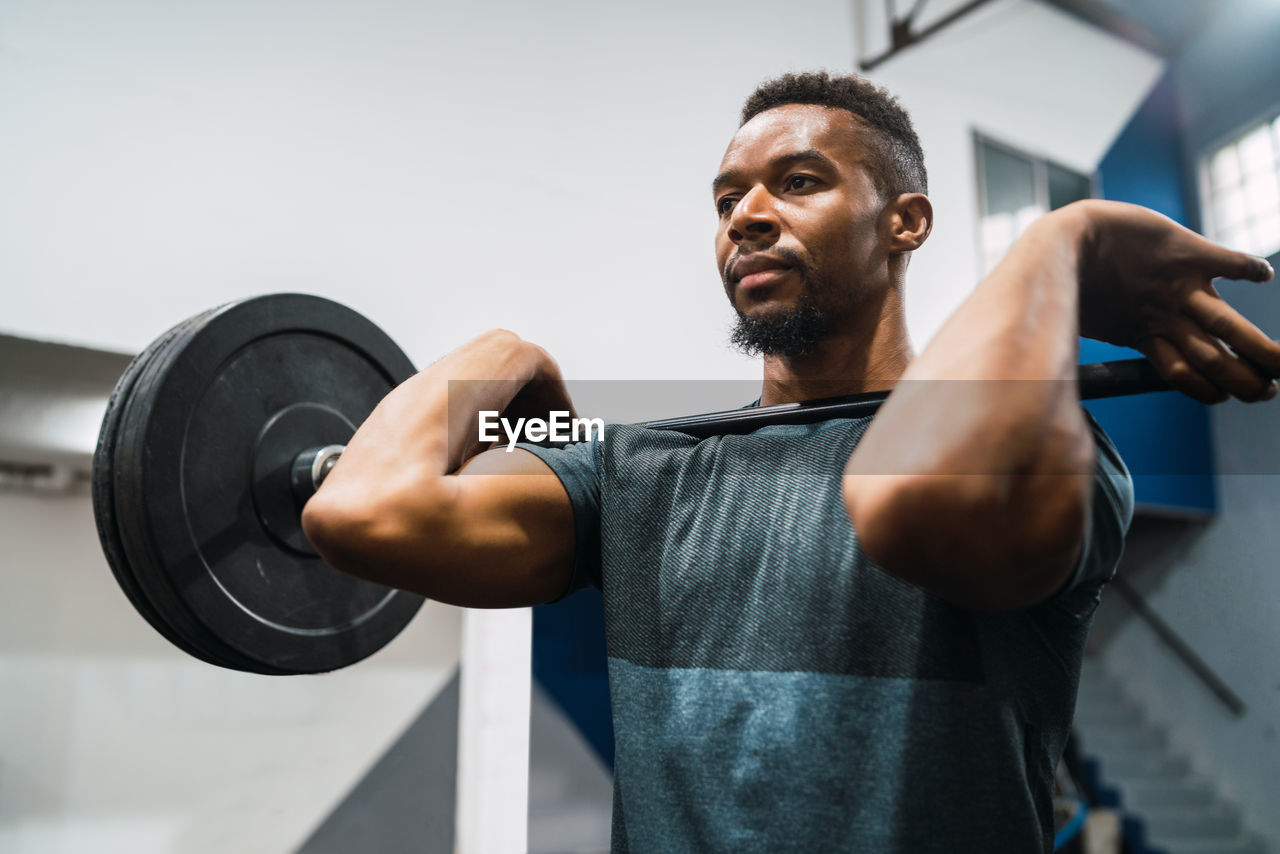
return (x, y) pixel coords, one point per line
(111, 740)
(449, 167)
(443, 167)
(1020, 72)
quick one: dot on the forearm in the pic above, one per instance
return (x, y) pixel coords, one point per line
(973, 480)
(1021, 321)
(394, 477)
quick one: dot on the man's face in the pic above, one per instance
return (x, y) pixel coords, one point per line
(797, 243)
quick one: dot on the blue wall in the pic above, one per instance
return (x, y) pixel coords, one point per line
(1164, 438)
(569, 663)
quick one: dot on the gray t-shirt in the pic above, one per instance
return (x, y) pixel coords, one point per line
(773, 690)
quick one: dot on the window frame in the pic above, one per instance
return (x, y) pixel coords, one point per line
(1268, 118)
(1040, 164)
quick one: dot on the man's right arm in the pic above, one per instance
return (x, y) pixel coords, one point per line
(404, 507)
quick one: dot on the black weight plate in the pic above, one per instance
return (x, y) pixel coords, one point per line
(129, 503)
(188, 443)
(103, 492)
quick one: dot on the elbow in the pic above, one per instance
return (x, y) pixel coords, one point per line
(340, 532)
(985, 543)
(373, 538)
(326, 525)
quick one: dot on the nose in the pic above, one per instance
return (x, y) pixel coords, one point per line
(754, 218)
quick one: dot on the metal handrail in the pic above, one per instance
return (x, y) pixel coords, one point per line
(1181, 648)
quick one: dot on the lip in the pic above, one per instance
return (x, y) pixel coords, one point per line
(762, 278)
(757, 270)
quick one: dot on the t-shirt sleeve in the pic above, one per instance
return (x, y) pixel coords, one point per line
(578, 467)
(1109, 517)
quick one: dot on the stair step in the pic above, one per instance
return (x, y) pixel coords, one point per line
(1119, 767)
(1189, 823)
(1177, 811)
(1120, 712)
(1098, 679)
(1234, 845)
(1105, 739)
(1142, 795)
(1099, 695)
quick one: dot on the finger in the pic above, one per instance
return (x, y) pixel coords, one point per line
(1217, 364)
(1175, 368)
(1216, 317)
(1229, 264)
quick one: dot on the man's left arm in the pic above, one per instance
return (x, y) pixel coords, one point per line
(974, 480)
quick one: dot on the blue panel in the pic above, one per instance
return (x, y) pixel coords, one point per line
(1144, 164)
(1164, 438)
(569, 663)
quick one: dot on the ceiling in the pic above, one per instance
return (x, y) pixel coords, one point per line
(1161, 26)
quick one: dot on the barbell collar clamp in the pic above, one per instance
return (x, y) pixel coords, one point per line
(310, 468)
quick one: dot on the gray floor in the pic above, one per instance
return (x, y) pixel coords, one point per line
(405, 804)
(570, 789)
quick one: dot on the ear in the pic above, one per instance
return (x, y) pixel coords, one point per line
(910, 221)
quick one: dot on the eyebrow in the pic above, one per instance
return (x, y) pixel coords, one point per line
(809, 154)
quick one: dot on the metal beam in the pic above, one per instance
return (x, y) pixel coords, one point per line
(1180, 648)
(901, 35)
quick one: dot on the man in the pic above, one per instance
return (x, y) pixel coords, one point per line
(859, 635)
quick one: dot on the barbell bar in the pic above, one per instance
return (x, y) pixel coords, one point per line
(1096, 380)
(220, 430)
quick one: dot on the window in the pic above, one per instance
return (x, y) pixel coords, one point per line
(1014, 189)
(1240, 184)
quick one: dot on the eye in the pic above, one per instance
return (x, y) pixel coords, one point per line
(800, 182)
(725, 205)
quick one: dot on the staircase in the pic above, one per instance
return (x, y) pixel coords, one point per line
(1168, 809)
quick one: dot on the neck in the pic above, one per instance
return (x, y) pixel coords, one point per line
(870, 352)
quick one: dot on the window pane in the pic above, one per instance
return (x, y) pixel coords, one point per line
(1228, 209)
(1023, 218)
(1235, 238)
(1066, 186)
(1256, 154)
(997, 236)
(1264, 235)
(1224, 169)
(1261, 195)
(1010, 180)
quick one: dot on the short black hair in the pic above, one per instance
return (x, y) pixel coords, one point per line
(899, 159)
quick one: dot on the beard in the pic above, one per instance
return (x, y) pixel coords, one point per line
(796, 330)
(793, 331)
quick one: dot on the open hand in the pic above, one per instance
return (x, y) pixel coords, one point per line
(1146, 283)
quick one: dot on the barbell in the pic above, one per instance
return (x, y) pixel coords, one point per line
(220, 430)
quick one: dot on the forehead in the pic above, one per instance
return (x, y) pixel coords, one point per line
(796, 127)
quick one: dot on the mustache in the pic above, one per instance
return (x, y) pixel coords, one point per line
(790, 257)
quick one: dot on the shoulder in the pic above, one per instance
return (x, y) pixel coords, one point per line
(1112, 482)
(1110, 513)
